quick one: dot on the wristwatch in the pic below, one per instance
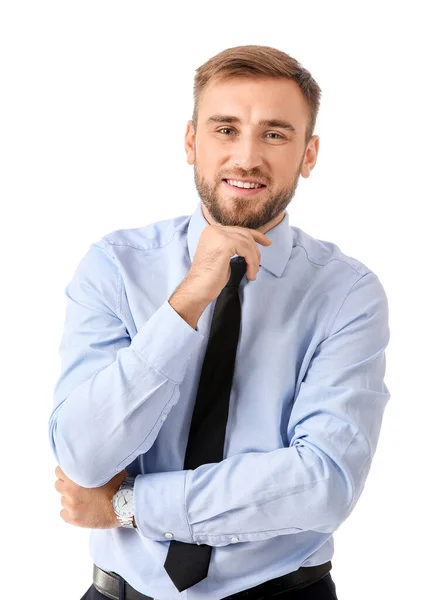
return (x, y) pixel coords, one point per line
(123, 502)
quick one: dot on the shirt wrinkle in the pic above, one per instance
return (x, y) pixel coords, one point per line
(306, 403)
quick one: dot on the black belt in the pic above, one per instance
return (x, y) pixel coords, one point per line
(108, 583)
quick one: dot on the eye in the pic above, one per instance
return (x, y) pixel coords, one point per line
(274, 135)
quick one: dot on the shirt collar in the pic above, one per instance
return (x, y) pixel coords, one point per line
(274, 258)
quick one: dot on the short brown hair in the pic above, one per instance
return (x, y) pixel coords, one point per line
(258, 61)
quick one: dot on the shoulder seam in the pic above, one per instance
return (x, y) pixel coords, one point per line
(119, 276)
(344, 299)
(145, 248)
(324, 264)
(119, 294)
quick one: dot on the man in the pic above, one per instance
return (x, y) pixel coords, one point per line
(177, 496)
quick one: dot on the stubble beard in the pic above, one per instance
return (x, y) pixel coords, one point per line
(248, 211)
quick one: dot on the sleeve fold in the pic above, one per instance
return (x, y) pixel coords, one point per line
(315, 482)
(113, 393)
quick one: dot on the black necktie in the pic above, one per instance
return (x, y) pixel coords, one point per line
(187, 564)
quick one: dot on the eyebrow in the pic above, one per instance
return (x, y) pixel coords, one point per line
(282, 124)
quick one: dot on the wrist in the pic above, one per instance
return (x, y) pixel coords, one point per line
(188, 304)
(123, 503)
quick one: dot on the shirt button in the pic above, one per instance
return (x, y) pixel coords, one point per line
(234, 540)
(163, 417)
(168, 534)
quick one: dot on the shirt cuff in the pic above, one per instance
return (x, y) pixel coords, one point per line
(159, 506)
(166, 341)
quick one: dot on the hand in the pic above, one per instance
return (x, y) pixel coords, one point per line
(88, 507)
(210, 270)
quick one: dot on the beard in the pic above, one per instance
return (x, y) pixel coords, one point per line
(248, 211)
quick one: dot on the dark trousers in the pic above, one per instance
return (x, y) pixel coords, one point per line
(324, 589)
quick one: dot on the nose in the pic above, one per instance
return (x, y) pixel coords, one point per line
(247, 153)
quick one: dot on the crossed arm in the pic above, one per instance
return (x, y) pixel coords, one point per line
(313, 484)
(88, 507)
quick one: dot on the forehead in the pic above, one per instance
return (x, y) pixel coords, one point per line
(253, 99)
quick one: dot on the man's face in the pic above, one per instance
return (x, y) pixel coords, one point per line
(252, 129)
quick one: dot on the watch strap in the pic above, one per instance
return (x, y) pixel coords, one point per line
(129, 482)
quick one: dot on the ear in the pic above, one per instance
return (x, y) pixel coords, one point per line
(190, 140)
(310, 156)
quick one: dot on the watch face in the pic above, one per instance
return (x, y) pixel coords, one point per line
(123, 503)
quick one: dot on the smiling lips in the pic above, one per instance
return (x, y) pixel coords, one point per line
(244, 187)
(244, 183)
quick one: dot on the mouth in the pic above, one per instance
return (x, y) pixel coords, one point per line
(244, 191)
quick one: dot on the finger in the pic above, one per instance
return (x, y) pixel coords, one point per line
(64, 515)
(250, 259)
(59, 473)
(257, 235)
(260, 237)
(67, 517)
(250, 251)
(243, 244)
(59, 485)
(251, 240)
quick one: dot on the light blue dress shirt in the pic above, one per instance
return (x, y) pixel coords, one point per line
(306, 404)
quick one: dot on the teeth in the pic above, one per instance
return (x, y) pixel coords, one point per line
(243, 184)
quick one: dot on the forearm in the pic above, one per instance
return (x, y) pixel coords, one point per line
(245, 498)
(188, 304)
(116, 414)
(315, 482)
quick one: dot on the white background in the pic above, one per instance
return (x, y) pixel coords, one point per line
(94, 99)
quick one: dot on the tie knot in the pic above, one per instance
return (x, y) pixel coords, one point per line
(238, 268)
